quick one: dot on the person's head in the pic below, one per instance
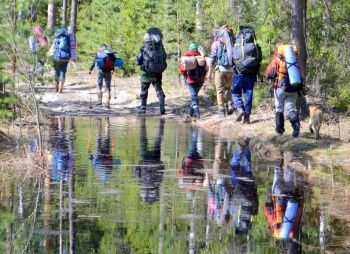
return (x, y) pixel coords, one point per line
(193, 46)
(103, 46)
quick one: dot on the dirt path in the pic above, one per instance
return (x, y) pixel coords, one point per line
(75, 100)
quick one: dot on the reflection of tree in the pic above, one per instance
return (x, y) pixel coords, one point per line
(150, 170)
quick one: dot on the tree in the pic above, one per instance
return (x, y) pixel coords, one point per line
(64, 13)
(51, 15)
(73, 15)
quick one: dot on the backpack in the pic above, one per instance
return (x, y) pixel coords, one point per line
(105, 61)
(288, 64)
(198, 74)
(226, 41)
(154, 56)
(61, 45)
(246, 52)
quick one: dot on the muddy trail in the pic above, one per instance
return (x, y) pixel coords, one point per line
(79, 98)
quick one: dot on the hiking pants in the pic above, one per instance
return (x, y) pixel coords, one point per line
(144, 91)
(223, 82)
(245, 84)
(60, 70)
(285, 100)
(107, 76)
(194, 90)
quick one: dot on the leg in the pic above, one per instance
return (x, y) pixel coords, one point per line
(194, 90)
(292, 112)
(280, 96)
(144, 95)
(220, 91)
(99, 87)
(161, 97)
(63, 70)
(237, 96)
(228, 92)
(108, 78)
(248, 87)
(57, 74)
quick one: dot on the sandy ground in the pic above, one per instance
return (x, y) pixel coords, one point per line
(79, 97)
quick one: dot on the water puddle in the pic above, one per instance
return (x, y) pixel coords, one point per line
(118, 185)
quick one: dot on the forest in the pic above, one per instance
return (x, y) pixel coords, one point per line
(319, 28)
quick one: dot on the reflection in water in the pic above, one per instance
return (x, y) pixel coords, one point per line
(284, 209)
(150, 169)
(103, 161)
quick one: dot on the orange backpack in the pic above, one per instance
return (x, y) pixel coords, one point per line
(282, 71)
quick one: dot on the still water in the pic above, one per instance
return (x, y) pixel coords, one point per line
(117, 185)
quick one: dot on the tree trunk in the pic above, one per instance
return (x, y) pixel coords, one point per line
(298, 37)
(73, 15)
(14, 47)
(64, 13)
(51, 15)
(199, 25)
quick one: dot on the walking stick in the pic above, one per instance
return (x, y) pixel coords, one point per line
(90, 106)
(115, 92)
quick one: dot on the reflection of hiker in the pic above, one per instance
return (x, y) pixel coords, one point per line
(219, 188)
(190, 175)
(221, 56)
(104, 60)
(149, 172)
(247, 56)
(103, 162)
(61, 158)
(152, 60)
(63, 50)
(244, 202)
(285, 93)
(194, 78)
(284, 208)
(38, 44)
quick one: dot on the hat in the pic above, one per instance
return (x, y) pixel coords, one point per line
(193, 46)
(108, 51)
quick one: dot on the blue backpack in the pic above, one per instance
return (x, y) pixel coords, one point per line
(61, 45)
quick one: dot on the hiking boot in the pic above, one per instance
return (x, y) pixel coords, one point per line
(221, 112)
(196, 112)
(239, 116)
(279, 122)
(191, 111)
(230, 109)
(246, 118)
(60, 89)
(142, 110)
(294, 120)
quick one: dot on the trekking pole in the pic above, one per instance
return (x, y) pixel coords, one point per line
(115, 92)
(90, 106)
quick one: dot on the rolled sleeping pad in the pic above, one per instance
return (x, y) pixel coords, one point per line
(189, 63)
(119, 62)
(289, 218)
(292, 65)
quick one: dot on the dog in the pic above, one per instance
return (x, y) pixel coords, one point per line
(315, 122)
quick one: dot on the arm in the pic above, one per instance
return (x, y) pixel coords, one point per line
(139, 58)
(271, 70)
(213, 53)
(92, 65)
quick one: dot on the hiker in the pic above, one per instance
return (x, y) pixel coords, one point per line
(244, 200)
(150, 169)
(194, 77)
(105, 61)
(152, 60)
(38, 44)
(286, 93)
(247, 58)
(63, 48)
(221, 59)
(284, 206)
(103, 162)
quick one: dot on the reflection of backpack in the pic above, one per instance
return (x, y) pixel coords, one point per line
(225, 48)
(105, 61)
(154, 56)
(246, 52)
(61, 45)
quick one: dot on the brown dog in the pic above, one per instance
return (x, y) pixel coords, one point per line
(315, 122)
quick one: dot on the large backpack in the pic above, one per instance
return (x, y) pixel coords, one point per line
(198, 73)
(105, 61)
(246, 52)
(154, 56)
(61, 45)
(224, 53)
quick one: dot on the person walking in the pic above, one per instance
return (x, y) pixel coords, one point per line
(152, 60)
(286, 93)
(104, 60)
(221, 59)
(194, 78)
(63, 51)
(247, 57)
